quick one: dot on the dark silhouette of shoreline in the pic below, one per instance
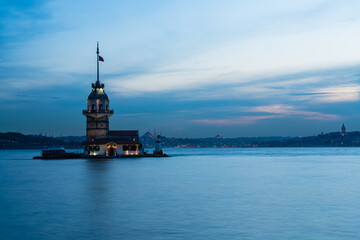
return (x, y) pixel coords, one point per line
(13, 140)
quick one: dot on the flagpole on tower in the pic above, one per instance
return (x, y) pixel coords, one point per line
(97, 59)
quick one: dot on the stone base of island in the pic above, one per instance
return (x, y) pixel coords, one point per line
(61, 153)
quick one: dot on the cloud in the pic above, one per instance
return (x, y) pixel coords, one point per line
(286, 110)
(193, 50)
(243, 120)
(251, 59)
(305, 88)
(340, 93)
(185, 45)
(274, 111)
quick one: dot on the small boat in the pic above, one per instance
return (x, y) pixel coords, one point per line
(58, 153)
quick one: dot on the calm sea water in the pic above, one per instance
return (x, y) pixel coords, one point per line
(277, 193)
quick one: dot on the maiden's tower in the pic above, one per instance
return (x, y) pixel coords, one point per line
(100, 141)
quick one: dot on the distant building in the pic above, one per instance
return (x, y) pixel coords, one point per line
(100, 141)
(219, 136)
(343, 130)
(148, 135)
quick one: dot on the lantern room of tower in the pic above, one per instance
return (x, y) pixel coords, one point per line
(98, 101)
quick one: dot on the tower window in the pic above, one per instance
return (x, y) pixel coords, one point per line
(93, 107)
(107, 107)
(100, 107)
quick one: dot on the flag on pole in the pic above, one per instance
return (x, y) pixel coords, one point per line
(100, 58)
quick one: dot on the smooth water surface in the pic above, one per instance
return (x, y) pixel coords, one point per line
(274, 193)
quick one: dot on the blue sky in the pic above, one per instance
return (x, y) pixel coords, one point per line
(185, 68)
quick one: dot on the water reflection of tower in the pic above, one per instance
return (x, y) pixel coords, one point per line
(98, 191)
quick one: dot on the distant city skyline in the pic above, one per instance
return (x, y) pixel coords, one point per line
(185, 68)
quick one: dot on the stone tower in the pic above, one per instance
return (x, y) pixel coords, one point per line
(97, 112)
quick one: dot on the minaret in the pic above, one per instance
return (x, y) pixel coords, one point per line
(97, 112)
(343, 130)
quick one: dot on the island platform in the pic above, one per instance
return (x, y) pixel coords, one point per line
(61, 153)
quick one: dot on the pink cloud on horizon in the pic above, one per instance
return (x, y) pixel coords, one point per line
(234, 121)
(287, 110)
(276, 111)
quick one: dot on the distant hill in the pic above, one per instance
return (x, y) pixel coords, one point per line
(75, 139)
(12, 140)
(333, 139)
(148, 141)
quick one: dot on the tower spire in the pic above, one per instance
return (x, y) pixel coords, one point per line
(97, 59)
